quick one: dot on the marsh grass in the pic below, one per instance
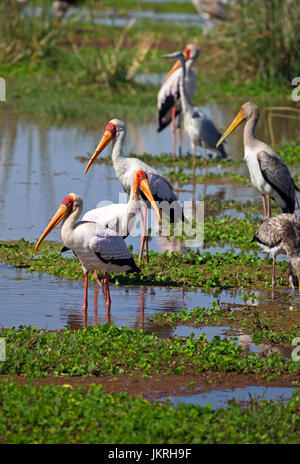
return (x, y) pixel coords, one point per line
(261, 41)
(28, 37)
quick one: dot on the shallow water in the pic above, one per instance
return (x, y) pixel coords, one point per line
(113, 18)
(39, 166)
(220, 398)
(48, 302)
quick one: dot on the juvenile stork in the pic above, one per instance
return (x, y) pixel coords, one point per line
(126, 168)
(268, 172)
(168, 99)
(200, 129)
(94, 246)
(281, 235)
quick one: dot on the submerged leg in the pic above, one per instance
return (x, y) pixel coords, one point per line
(173, 131)
(179, 136)
(85, 300)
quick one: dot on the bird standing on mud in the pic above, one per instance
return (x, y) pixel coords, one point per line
(168, 99)
(94, 246)
(126, 169)
(281, 235)
(200, 129)
(268, 172)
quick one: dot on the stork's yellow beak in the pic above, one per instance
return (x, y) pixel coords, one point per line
(236, 122)
(106, 139)
(145, 188)
(175, 66)
(59, 215)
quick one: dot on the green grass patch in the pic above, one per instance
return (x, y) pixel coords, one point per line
(51, 414)
(107, 349)
(191, 269)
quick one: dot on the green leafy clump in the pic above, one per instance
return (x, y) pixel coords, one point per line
(52, 414)
(107, 349)
(192, 268)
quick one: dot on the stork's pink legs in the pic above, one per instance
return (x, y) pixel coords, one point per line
(179, 135)
(173, 131)
(266, 206)
(96, 277)
(106, 283)
(85, 301)
(144, 241)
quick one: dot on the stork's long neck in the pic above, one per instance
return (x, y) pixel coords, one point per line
(68, 225)
(117, 149)
(184, 98)
(249, 130)
(133, 202)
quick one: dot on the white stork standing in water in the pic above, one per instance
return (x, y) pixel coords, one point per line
(120, 217)
(168, 99)
(126, 169)
(200, 129)
(281, 235)
(94, 246)
(268, 173)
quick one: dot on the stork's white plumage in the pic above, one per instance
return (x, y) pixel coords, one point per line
(200, 129)
(120, 217)
(268, 172)
(94, 246)
(168, 99)
(126, 169)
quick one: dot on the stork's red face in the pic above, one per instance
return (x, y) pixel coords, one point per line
(140, 176)
(141, 182)
(109, 134)
(68, 202)
(187, 52)
(64, 210)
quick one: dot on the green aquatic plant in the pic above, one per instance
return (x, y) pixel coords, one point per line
(107, 349)
(61, 414)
